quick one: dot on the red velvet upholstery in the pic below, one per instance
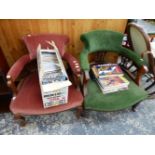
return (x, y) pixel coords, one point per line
(28, 100)
(74, 64)
(18, 66)
(32, 42)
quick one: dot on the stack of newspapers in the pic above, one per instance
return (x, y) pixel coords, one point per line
(53, 78)
(110, 78)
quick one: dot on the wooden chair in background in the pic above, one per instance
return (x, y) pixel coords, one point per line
(140, 42)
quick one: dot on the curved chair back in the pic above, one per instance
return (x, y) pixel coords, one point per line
(32, 41)
(140, 42)
(104, 40)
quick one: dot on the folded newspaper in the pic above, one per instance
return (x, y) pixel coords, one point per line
(53, 78)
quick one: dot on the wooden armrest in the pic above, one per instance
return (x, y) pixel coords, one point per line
(11, 85)
(140, 72)
(84, 80)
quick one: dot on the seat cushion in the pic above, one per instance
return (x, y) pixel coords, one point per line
(29, 101)
(96, 100)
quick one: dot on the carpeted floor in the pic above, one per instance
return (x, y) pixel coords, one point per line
(123, 122)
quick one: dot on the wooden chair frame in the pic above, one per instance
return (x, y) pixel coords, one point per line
(147, 52)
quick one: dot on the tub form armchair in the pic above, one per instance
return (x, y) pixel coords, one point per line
(98, 43)
(27, 95)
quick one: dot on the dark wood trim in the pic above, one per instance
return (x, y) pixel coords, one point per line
(80, 111)
(20, 119)
(140, 29)
(147, 41)
(84, 82)
(11, 85)
(140, 72)
(134, 107)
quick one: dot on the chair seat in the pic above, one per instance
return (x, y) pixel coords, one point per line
(29, 102)
(96, 100)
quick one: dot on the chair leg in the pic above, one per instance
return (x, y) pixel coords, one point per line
(148, 76)
(20, 119)
(150, 86)
(79, 112)
(134, 107)
(152, 93)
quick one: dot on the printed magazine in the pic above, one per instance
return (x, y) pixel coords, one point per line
(102, 70)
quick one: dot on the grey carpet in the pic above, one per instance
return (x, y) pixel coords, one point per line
(122, 122)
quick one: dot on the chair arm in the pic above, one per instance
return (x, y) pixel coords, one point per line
(14, 72)
(18, 66)
(73, 63)
(133, 56)
(84, 80)
(140, 72)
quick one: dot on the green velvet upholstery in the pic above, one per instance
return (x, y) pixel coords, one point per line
(104, 40)
(96, 100)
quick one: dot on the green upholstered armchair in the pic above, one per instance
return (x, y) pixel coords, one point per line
(103, 41)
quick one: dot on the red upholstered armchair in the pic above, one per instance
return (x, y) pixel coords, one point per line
(27, 95)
